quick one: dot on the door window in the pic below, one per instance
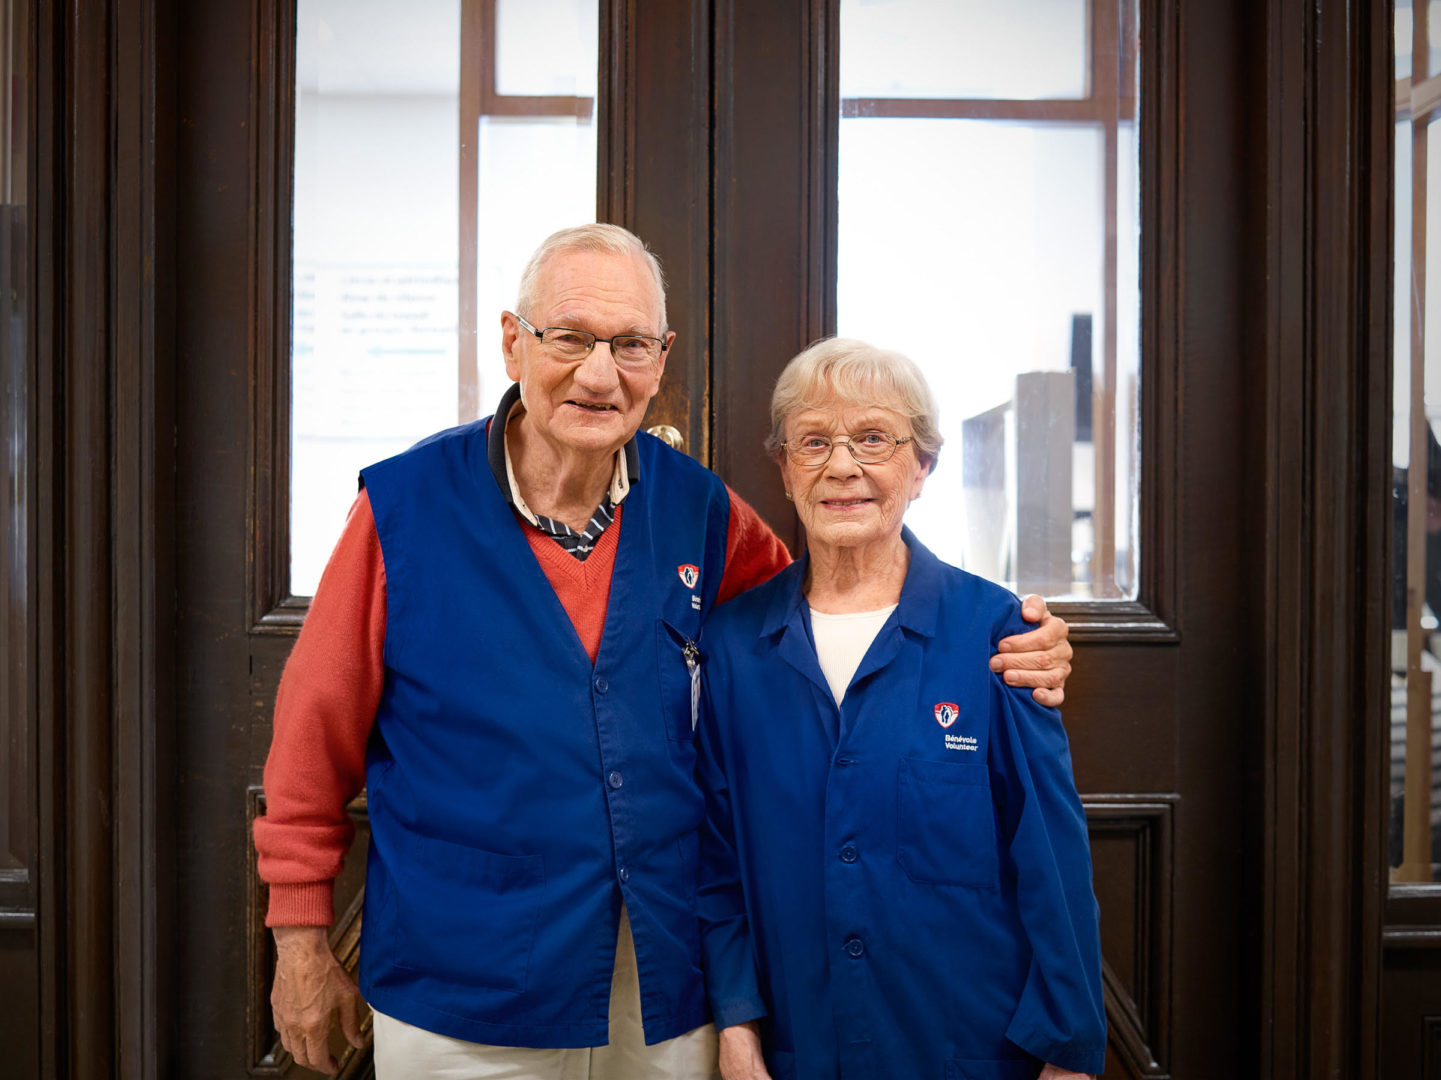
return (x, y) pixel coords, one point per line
(1415, 779)
(436, 144)
(17, 630)
(988, 216)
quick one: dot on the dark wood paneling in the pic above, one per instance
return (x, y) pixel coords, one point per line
(20, 1019)
(142, 535)
(225, 52)
(270, 129)
(50, 776)
(655, 105)
(103, 597)
(1327, 414)
(1132, 850)
(1410, 1027)
(86, 569)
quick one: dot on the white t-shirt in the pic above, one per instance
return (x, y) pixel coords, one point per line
(842, 641)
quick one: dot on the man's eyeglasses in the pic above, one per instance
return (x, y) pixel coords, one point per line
(866, 447)
(629, 350)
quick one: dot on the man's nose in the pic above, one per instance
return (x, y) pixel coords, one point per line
(598, 369)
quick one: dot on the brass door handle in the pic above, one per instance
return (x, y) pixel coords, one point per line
(669, 435)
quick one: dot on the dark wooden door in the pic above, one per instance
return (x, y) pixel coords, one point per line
(1210, 717)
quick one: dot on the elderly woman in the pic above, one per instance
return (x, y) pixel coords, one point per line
(895, 868)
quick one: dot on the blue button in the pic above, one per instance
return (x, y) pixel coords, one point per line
(855, 946)
(601, 686)
(615, 780)
(849, 853)
(845, 761)
(625, 873)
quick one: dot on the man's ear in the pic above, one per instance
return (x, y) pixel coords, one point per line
(510, 335)
(660, 364)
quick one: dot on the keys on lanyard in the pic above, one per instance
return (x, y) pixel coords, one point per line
(692, 664)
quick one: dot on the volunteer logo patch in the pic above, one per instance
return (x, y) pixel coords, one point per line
(689, 575)
(947, 713)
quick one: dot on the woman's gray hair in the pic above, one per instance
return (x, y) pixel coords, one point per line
(608, 239)
(855, 371)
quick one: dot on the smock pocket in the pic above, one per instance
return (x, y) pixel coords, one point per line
(467, 916)
(678, 663)
(1000, 1069)
(782, 1065)
(945, 825)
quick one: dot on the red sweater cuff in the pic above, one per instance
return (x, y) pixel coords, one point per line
(310, 903)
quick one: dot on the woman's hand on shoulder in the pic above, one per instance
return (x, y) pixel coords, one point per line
(740, 1052)
(1040, 659)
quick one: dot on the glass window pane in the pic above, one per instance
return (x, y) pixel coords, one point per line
(979, 49)
(547, 47)
(1433, 51)
(17, 642)
(1003, 257)
(1416, 599)
(382, 244)
(1403, 39)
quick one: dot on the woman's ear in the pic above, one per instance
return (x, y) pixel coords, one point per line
(920, 481)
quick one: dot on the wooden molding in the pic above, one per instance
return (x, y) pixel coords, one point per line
(1326, 403)
(1138, 1003)
(272, 149)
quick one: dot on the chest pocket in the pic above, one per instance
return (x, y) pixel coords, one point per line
(945, 824)
(678, 667)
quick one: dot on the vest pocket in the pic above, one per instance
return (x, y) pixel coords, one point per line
(945, 825)
(467, 916)
(675, 654)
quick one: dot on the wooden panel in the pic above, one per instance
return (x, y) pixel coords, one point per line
(1410, 1033)
(1325, 405)
(20, 1018)
(270, 129)
(222, 53)
(1132, 853)
(655, 139)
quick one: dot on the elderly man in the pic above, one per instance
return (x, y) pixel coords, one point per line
(502, 651)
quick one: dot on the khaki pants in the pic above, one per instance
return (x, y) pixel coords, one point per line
(404, 1052)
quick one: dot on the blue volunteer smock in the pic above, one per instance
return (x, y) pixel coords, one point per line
(901, 885)
(518, 793)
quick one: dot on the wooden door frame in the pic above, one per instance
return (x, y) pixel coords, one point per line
(104, 361)
(1325, 406)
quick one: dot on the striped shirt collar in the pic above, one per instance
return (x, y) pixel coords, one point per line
(626, 472)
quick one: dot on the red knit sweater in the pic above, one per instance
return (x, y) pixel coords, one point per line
(332, 682)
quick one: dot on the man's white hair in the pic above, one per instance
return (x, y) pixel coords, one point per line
(863, 374)
(609, 239)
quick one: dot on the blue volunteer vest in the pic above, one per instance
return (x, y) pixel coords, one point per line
(517, 794)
